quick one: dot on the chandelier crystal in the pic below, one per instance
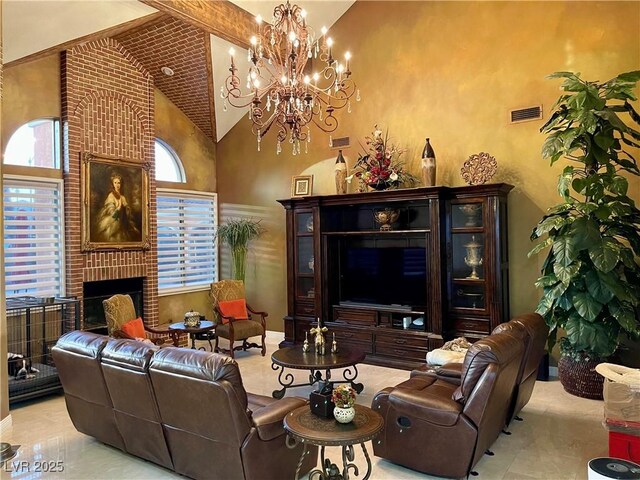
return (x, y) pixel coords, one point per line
(283, 93)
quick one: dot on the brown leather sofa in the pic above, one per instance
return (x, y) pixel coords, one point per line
(537, 331)
(184, 409)
(440, 428)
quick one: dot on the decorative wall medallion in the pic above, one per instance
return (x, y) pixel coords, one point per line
(479, 168)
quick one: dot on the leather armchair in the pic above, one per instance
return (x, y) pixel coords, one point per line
(237, 329)
(119, 309)
(533, 331)
(439, 428)
(180, 408)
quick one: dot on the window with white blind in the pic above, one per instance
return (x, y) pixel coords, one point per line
(33, 236)
(187, 258)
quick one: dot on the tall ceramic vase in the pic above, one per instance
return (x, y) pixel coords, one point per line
(341, 174)
(428, 165)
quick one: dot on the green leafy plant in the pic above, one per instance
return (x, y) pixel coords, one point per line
(237, 233)
(591, 276)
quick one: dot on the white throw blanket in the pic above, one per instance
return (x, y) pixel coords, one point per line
(452, 351)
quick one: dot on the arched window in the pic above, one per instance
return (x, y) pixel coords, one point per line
(35, 144)
(168, 165)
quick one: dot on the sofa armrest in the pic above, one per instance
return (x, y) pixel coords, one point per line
(430, 407)
(450, 372)
(268, 419)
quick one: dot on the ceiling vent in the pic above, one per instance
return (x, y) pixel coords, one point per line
(340, 142)
(526, 114)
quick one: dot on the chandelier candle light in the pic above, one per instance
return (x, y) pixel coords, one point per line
(281, 94)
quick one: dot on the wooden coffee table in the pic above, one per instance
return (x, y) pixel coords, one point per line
(304, 427)
(294, 357)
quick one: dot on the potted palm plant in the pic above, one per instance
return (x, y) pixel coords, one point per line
(237, 233)
(591, 277)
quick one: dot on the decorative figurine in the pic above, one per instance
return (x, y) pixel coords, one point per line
(319, 341)
(305, 345)
(334, 344)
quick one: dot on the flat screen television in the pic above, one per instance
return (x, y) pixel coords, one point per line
(384, 276)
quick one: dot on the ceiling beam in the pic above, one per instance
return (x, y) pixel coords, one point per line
(220, 18)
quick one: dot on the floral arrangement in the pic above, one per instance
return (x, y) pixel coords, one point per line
(343, 396)
(380, 167)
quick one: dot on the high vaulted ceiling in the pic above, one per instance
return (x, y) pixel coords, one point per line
(191, 38)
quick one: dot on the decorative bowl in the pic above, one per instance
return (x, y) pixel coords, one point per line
(385, 217)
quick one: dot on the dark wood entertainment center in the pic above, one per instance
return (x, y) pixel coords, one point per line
(439, 272)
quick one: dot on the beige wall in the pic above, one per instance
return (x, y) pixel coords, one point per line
(450, 71)
(198, 156)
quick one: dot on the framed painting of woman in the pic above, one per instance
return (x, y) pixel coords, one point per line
(115, 204)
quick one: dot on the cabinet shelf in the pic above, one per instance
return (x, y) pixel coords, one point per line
(304, 234)
(467, 230)
(379, 232)
(469, 281)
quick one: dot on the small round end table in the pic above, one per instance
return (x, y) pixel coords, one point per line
(305, 427)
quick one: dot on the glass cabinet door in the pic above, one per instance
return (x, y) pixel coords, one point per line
(304, 256)
(468, 250)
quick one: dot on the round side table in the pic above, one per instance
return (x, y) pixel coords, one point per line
(304, 427)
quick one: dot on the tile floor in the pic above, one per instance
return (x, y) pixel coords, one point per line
(560, 433)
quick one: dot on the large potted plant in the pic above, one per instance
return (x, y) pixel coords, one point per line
(236, 234)
(590, 277)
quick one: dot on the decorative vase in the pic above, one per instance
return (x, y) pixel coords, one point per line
(344, 414)
(382, 185)
(341, 174)
(579, 377)
(428, 165)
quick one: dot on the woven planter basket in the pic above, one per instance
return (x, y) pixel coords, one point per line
(580, 378)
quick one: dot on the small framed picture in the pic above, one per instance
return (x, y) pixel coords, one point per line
(301, 185)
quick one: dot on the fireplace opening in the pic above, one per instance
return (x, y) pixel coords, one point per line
(95, 292)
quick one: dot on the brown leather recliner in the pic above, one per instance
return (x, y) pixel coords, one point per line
(438, 428)
(536, 331)
(180, 408)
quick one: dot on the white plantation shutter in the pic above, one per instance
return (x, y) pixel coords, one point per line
(187, 257)
(33, 236)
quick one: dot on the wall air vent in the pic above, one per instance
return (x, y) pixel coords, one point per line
(526, 114)
(340, 142)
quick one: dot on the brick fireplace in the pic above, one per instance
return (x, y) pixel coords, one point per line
(107, 110)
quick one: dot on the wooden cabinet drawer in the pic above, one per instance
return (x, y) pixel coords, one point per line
(474, 326)
(401, 352)
(402, 341)
(366, 347)
(354, 316)
(305, 309)
(301, 328)
(350, 334)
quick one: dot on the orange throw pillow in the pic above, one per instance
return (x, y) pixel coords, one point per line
(233, 308)
(134, 328)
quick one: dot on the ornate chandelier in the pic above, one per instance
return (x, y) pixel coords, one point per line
(283, 93)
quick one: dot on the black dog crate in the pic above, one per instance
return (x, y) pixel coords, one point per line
(33, 327)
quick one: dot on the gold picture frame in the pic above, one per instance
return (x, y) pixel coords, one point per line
(115, 204)
(301, 185)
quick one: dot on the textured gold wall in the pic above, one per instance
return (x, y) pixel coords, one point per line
(198, 156)
(450, 71)
(4, 389)
(31, 91)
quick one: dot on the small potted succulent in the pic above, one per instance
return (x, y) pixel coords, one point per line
(344, 397)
